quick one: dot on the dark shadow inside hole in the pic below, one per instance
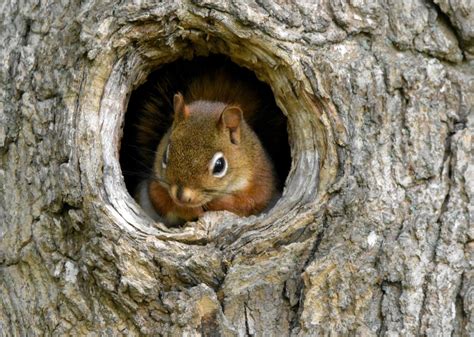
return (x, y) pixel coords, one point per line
(151, 106)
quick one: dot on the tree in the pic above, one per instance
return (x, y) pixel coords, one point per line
(372, 235)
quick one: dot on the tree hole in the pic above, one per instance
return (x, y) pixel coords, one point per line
(150, 114)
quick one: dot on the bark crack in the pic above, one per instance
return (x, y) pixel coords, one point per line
(444, 17)
(247, 318)
(297, 308)
(460, 314)
(395, 286)
(443, 209)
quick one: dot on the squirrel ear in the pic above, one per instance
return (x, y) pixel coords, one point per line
(181, 111)
(230, 119)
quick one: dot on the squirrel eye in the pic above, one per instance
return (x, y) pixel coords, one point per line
(164, 162)
(218, 165)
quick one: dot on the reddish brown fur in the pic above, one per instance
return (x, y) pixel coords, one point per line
(255, 165)
(250, 201)
(216, 85)
(220, 86)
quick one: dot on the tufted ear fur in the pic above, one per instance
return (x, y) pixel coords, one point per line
(231, 119)
(181, 111)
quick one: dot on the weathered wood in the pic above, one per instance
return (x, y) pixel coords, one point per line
(372, 235)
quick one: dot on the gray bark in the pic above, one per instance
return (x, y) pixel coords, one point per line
(372, 235)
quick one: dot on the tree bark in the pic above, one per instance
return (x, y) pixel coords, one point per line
(372, 235)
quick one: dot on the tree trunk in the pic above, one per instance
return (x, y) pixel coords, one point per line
(372, 235)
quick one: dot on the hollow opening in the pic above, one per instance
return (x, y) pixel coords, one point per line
(150, 114)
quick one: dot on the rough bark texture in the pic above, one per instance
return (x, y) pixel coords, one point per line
(373, 235)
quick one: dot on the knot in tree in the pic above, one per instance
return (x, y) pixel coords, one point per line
(368, 228)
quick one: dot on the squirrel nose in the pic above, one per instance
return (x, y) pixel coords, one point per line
(182, 194)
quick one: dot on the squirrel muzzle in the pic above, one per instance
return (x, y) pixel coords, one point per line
(185, 196)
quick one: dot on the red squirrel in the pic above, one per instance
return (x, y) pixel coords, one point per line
(210, 159)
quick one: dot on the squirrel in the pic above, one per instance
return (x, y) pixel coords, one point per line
(210, 159)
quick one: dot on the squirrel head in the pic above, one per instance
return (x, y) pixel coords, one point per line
(207, 152)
